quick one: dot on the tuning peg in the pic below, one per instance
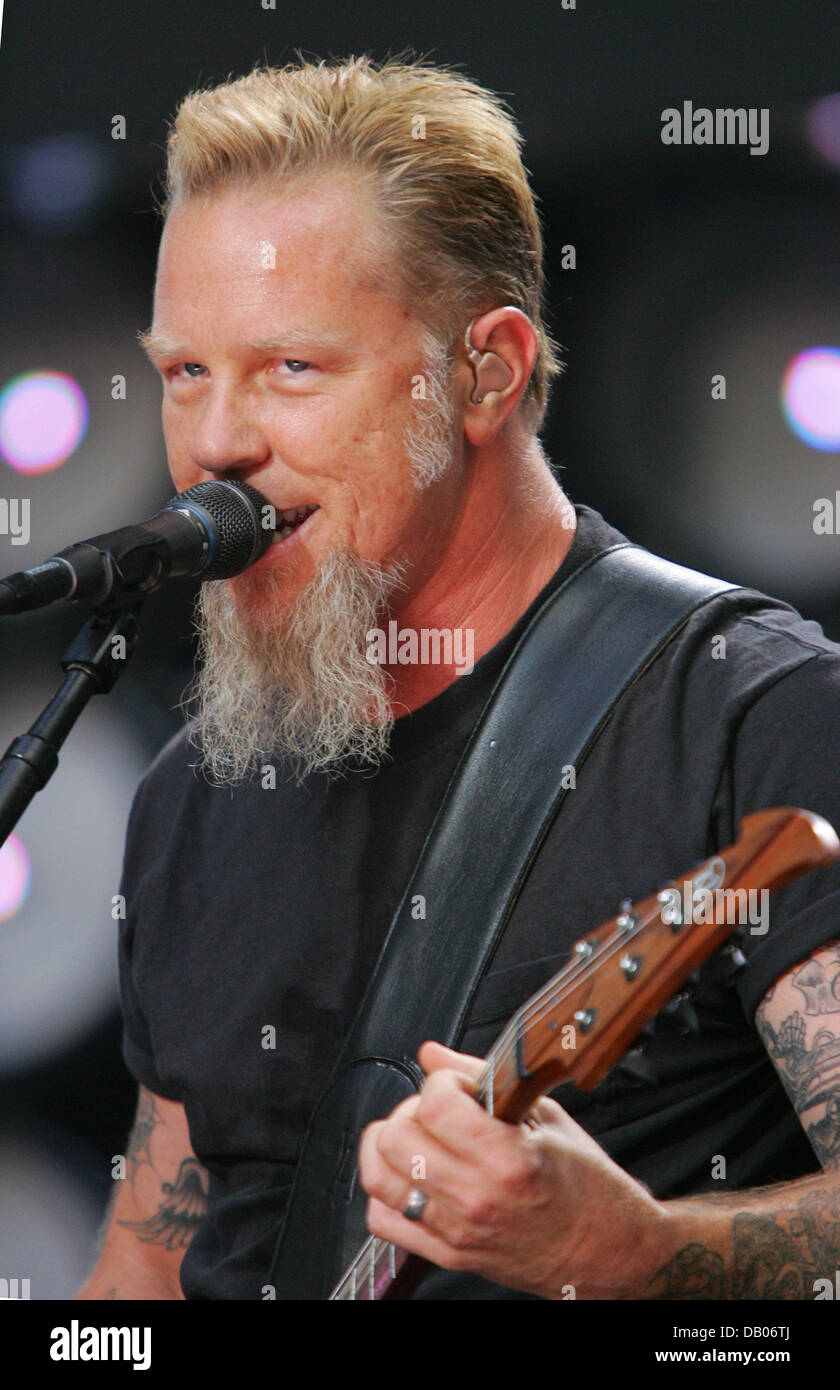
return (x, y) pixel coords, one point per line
(736, 962)
(725, 964)
(627, 918)
(648, 1030)
(682, 1011)
(637, 1067)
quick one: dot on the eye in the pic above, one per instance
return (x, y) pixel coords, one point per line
(295, 364)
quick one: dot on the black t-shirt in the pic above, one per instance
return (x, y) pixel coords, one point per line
(255, 908)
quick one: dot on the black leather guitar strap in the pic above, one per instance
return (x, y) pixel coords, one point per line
(580, 654)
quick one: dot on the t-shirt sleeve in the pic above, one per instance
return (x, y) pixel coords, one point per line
(137, 1048)
(786, 752)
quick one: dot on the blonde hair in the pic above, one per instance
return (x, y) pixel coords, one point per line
(443, 157)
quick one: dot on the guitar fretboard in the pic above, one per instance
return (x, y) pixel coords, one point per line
(372, 1272)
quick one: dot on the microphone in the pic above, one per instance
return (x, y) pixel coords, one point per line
(215, 529)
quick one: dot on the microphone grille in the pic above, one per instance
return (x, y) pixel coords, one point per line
(236, 511)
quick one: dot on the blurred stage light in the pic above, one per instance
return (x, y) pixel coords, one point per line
(58, 951)
(15, 876)
(702, 314)
(58, 182)
(76, 311)
(811, 397)
(48, 1212)
(823, 127)
(43, 419)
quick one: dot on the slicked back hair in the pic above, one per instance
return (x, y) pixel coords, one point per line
(440, 154)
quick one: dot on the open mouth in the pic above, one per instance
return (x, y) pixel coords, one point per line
(290, 521)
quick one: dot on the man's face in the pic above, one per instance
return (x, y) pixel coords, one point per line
(301, 378)
(297, 378)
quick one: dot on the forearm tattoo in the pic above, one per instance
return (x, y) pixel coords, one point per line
(139, 1143)
(777, 1255)
(181, 1212)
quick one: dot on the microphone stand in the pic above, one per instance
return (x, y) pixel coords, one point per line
(94, 661)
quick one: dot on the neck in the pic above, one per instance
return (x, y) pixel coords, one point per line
(514, 529)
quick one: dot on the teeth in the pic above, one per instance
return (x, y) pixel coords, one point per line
(296, 514)
(288, 521)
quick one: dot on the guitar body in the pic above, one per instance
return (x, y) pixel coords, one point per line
(326, 1225)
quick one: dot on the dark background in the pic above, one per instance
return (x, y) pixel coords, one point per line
(691, 261)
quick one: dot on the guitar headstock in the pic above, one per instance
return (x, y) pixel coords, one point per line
(620, 975)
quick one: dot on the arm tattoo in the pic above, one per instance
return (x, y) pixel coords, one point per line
(774, 1256)
(811, 1073)
(139, 1150)
(780, 1253)
(184, 1201)
(180, 1213)
(694, 1272)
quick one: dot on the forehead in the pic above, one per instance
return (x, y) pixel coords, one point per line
(318, 245)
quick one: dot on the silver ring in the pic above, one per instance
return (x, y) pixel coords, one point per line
(416, 1205)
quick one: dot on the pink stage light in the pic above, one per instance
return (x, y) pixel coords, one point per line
(43, 419)
(810, 397)
(15, 877)
(823, 127)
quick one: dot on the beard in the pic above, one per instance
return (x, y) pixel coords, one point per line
(296, 685)
(429, 439)
(293, 683)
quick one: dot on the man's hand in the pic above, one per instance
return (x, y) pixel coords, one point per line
(537, 1206)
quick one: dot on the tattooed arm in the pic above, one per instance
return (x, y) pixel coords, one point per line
(776, 1242)
(156, 1208)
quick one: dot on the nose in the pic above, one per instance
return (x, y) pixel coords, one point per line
(227, 437)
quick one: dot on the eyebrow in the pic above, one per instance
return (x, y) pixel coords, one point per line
(155, 345)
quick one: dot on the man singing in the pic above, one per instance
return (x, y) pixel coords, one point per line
(348, 317)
